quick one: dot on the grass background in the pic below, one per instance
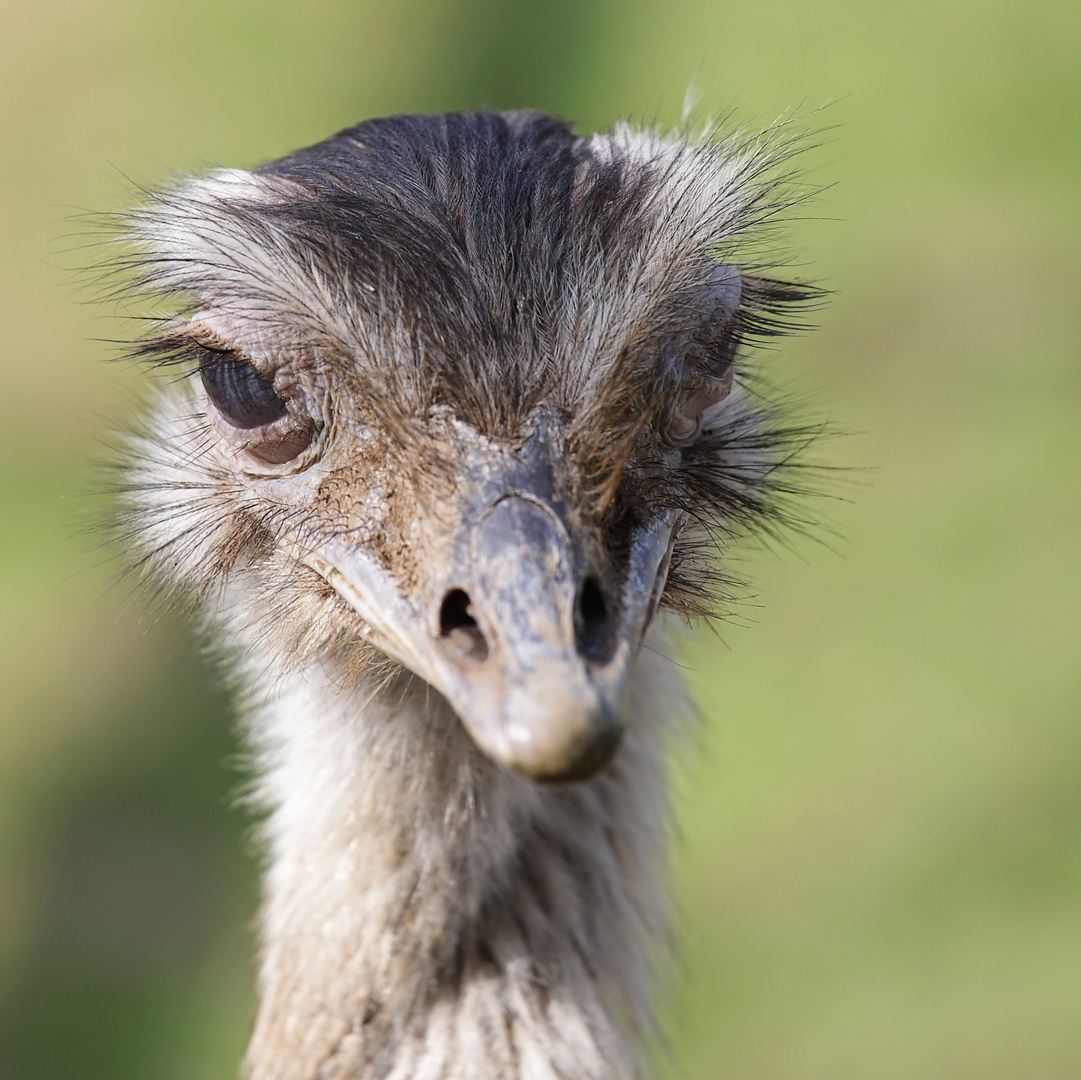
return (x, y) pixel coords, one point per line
(880, 865)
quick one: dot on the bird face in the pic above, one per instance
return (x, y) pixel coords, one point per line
(457, 390)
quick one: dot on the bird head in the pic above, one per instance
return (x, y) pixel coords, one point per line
(456, 396)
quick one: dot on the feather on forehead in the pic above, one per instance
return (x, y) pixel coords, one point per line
(500, 252)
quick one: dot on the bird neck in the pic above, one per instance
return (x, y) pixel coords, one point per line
(429, 914)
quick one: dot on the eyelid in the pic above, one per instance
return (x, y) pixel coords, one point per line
(206, 353)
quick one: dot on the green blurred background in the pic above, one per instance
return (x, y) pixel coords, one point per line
(879, 870)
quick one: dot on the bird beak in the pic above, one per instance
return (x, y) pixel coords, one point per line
(531, 648)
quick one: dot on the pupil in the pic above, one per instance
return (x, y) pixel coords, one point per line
(240, 395)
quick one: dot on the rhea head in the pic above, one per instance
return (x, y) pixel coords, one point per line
(458, 398)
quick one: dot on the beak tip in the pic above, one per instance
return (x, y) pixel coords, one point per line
(562, 735)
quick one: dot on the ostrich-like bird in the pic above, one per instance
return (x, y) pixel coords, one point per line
(456, 420)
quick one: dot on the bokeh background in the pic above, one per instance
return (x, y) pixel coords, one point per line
(879, 869)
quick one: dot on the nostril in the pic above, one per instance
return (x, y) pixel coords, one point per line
(592, 618)
(458, 628)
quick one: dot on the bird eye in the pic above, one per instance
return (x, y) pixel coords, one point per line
(706, 378)
(245, 399)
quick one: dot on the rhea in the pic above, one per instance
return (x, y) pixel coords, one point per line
(461, 416)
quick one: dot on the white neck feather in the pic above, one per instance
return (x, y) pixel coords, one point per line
(429, 916)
